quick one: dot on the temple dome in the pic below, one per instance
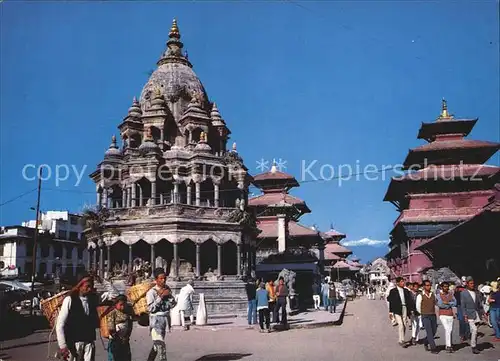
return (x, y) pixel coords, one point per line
(177, 82)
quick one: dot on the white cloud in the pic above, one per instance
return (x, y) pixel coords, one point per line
(365, 242)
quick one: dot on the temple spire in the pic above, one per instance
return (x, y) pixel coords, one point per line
(273, 167)
(174, 53)
(174, 30)
(444, 110)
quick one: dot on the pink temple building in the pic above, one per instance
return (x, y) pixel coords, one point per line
(446, 183)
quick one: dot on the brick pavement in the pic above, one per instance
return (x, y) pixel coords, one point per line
(364, 335)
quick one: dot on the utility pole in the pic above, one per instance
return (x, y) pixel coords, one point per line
(35, 239)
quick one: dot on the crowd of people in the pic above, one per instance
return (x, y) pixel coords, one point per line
(415, 306)
(78, 319)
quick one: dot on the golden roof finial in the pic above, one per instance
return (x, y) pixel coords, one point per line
(174, 30)
(444, 109)
(202, 137)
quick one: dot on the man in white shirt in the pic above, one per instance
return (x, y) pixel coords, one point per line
(470, 302)
(77, 322)
(185, 303)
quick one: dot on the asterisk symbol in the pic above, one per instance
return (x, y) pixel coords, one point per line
(262, 165)
(281, 164)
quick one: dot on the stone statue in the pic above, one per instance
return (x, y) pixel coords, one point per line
(289, 277)
(186, 269)
(160, 262)
(210, 275)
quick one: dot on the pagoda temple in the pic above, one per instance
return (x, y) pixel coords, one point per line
(284, 243)
(277, 214)
(334, 252)
(175, 196)
(446, 183)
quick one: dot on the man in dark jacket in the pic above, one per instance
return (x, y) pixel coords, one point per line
(401, 307)
(251, 289)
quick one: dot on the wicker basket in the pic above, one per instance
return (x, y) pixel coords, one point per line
(137, 297)
(50, 307)
(103, 311)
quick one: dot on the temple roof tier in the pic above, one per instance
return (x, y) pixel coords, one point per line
(269, 228)
(429, 131)
(332, 236)
(451, 151)
(420, 181)
(275, 180)
(337, 249)
(268, 199)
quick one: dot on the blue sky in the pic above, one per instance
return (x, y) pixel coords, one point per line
(337, 82)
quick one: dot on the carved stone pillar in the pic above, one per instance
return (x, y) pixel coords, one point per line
(124, 197)
(219, 259)
(238, 259)
(198, 260)
(152, 201)
(108, 265)
(88, 260)
(188, 198)
(105, 198)
(216, 195)
(176, 262)
(176, 193)
(99, 199)
(94, 257)
(161, 198)
(152, 257)
(134, 195)
(141, 196)
(198, 191)
(101, 261)
(129, 258)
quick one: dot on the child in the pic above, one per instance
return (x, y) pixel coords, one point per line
(120, 328)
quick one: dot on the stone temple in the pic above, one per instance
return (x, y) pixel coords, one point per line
(174, 195)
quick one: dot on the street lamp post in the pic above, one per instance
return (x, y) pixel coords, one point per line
(35, 239)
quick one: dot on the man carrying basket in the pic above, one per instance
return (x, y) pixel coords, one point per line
(77, 322)
(160, 301)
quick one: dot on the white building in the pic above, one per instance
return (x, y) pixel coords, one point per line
(377, 272)
(61, 246)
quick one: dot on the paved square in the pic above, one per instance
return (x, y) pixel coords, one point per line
(365, 335)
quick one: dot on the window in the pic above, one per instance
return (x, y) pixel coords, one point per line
(433, 204)
(80, 253)
(73, 220)
(69, 251)
(44, 250)
(462, 202)
(57, 250)
(28, 267)
(29, 248)
(61, 234)
(73, 236)
(1, 250)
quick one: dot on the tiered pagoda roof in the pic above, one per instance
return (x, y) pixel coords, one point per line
(446, 143)
(275, 200)
(447, 162)
(275, 186)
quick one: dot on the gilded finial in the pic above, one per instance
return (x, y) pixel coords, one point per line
(444, 109)
(274, 167)
(234, 147)
(174, 30)
(202, 137)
